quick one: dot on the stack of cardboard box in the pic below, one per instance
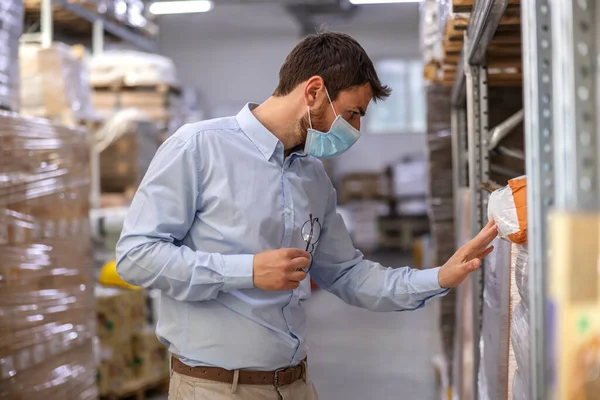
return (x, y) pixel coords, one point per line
(125, 161)
(440, 200)
(129, 350)
(54, 84)
(46, 306)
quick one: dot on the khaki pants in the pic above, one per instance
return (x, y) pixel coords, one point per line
(184, 387)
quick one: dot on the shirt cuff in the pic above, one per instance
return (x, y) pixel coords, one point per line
(427, 281)
(238, 272)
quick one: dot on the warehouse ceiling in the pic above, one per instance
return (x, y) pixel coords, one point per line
(292, 17)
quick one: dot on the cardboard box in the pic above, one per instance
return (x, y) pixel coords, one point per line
(113, 315)
(116, 366)
(150, 355)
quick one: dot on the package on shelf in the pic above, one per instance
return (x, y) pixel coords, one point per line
(519, 328)
(11, 27)
(437, 99)
(442, 235)
(116, 366)
(495, 336)
(150, 355)
(113, 315)
(132, 68)
(439, 147)
(54, 84)
(431, 39)
(46, 302)
(363, 186)
(508, 207)
(127, 143)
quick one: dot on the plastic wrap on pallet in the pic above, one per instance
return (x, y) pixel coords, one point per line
(132, 68)
(47, 310)
(11, 27)
(54, 84)
(519, 330)
(495, 339)
(519, 390)
(127, 143)
(508, 207)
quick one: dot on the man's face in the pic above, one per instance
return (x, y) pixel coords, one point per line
(351, 104)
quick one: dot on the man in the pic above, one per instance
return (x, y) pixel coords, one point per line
(234, 212)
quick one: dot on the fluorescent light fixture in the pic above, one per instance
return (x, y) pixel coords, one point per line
(383, 1)
(180, 7)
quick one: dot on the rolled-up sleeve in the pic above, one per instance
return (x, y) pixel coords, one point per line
(149, 252)
(341, 269)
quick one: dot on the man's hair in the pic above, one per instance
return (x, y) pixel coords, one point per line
(337, 58)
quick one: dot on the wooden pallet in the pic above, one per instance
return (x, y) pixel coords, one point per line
(120, 86)
(140, 389)
(466, 6)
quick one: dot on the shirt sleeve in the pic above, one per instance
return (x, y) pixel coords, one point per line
(163, 209)
(341, 269)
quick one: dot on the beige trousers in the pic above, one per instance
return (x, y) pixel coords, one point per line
(184, 387)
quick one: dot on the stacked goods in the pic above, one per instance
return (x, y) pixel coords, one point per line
(494, 365)
(130, 353)
(440, 200)
(11, 26)
(131, 13)
(519, 326)
(126, 143)
(46, 303)
(143, 81)
(54, 84)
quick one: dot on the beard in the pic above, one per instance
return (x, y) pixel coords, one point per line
(317, 117)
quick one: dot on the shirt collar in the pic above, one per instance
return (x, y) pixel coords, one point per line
(262, 138)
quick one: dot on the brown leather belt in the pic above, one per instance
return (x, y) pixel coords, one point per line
(278, 378)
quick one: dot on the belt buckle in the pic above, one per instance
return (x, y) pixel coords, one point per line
(276, 376)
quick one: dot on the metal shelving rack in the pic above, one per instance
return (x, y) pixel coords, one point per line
(471, 132)
(561, 140)
(100, 27)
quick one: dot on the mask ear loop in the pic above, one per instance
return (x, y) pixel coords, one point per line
(331, 103)
(309, 121)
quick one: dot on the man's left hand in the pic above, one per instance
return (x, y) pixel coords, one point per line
(468, 258)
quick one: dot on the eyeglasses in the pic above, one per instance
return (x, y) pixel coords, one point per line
(311, 232)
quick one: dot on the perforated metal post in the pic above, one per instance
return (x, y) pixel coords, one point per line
(477, 117)
(537, 91)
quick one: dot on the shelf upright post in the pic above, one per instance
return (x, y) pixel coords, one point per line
(537, 93)
(573, 287)
(477, 117)
(98, 36)
(46, 23)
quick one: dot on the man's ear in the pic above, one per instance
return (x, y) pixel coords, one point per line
(314, 89)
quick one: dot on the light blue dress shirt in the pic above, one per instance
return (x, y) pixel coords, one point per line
(218, 192)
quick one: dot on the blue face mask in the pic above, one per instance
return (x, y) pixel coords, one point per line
(340, 137)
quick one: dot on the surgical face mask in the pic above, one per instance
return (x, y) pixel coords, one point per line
(340, 137)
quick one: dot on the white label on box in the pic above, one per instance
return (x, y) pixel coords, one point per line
(62, 228)
(38, 354)
(7, 367)
(24, 359)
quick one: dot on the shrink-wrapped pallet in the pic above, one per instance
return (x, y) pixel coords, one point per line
(54, 84)
(494, 341)
(11, 27)
(47, 307)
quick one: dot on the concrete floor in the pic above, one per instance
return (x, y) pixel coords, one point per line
(356, 354)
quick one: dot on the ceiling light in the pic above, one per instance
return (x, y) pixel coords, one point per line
(180, 7)
(383, 1)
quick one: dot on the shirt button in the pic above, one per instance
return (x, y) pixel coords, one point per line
(287, 211)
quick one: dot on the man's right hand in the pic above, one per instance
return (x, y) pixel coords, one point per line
(279, 269)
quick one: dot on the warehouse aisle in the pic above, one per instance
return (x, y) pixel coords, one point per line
(356, 354)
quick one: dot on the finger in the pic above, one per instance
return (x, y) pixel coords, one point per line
(295, 253)
(490, 223)
(299, 263)
(297, 276)
(485, 253)
(472, 265)
(485, 237)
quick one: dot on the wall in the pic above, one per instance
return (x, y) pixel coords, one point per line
(231, 63)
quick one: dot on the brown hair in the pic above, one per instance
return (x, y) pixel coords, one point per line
(337, 58)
